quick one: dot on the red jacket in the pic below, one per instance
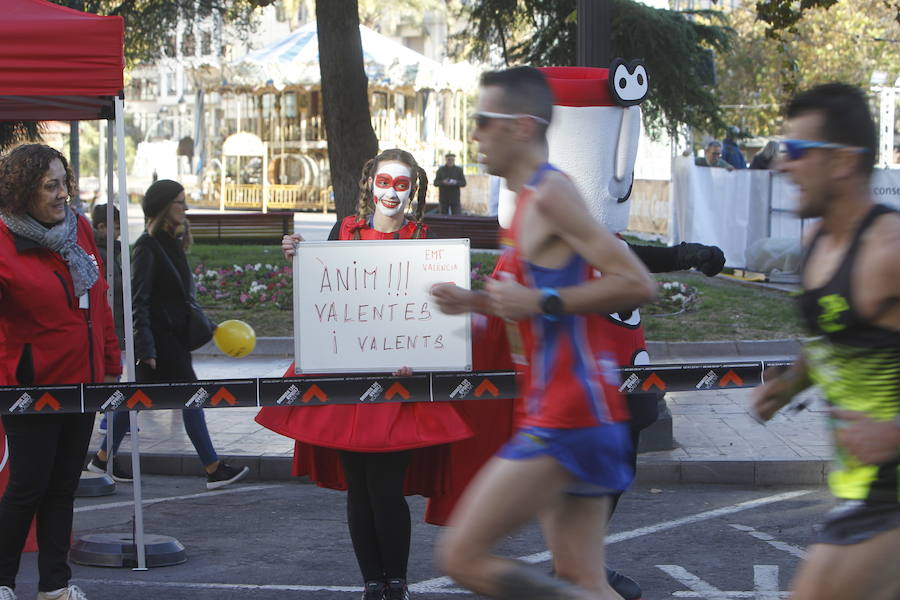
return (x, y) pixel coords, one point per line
(38, 306)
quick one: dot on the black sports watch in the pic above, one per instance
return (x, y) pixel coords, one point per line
(551, 304)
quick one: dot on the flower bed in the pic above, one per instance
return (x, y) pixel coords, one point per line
(672, 298)
(248, 286)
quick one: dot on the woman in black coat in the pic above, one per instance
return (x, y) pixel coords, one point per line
(162, 288)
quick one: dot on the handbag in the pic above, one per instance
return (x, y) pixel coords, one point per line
(200, 328)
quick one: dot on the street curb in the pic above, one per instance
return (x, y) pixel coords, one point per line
(660, 352)
(651, 470)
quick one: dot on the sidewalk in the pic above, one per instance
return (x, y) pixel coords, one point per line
(716, 439)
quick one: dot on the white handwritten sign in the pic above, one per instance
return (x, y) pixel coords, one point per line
(364, 305)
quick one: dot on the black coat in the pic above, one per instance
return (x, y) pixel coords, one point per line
(160, 291)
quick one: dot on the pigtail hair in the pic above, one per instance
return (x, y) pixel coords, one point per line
(421, 193)
(365, 194)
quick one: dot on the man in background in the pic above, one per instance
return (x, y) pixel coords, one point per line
(713, 157)
(448, 179)
(731, 152)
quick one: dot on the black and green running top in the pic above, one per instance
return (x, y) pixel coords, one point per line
(857, 366)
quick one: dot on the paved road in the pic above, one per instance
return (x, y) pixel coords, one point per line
(263, 541)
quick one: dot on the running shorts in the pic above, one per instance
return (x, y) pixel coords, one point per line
(855, 521)
(599, 457)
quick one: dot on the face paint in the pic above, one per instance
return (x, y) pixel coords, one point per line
(391, 187)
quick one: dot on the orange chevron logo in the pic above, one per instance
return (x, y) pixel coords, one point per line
(140, 397)
(731, 377)
(223, 395)
(46, 400)
(397, 388)
(652, 381)
(316, 392)
(486, 386)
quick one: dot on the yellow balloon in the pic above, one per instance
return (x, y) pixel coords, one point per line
(235, 338)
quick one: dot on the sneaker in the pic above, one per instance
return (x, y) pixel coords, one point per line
(373, 590)
(624, 586)
(6, 593)
(223, 475)
(396, 590)
(99, 466)
(73, 592)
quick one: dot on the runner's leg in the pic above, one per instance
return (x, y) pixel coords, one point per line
(505, 495)
(574, 529)
(867, 570)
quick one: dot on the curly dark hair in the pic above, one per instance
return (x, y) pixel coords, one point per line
(366, 204)
(21, 172)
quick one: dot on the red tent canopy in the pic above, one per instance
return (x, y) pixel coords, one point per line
(58, 63)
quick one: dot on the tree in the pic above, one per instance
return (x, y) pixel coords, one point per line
(674, 48)
(345, 96)
(148, 25)
(845, 42)
(783, 15)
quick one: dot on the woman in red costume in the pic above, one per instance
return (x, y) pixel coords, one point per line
(378, 452)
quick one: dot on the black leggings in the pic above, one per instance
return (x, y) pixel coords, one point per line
(644, 413)
(377, 512)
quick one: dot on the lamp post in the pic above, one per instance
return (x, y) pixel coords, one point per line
(594, 30)
(887, 96)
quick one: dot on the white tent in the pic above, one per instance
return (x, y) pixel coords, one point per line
(294, 60)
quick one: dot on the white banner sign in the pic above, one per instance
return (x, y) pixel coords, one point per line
(364, 306)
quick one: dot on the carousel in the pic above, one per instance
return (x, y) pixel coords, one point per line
(266, 130)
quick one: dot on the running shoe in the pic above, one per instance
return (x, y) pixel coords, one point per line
(373, 590)
(99, 466)
(223, 475)
(6, 593)
(396, 590)
(73, 592)
(624, 586)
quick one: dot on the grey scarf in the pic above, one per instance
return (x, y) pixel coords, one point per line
(62, 238)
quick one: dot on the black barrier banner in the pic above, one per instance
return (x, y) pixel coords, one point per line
(317, 391)
(670, 378)
(356, 389)
(167, 396)
(474, 386)
(41, 399)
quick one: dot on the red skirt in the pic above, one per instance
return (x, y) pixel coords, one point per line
(320, 431)
(439, 470)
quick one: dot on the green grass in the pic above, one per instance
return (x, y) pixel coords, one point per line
(727, 309)
(235, 254)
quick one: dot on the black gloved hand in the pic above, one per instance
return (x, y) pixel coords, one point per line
(707, 259)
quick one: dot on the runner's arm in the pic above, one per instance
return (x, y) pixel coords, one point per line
(625, 283)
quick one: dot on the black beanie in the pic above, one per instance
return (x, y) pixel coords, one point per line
(159, 196)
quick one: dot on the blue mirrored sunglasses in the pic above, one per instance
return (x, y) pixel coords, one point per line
(795, 149)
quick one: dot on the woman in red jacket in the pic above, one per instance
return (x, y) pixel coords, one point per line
(57, 328)
(378, 452)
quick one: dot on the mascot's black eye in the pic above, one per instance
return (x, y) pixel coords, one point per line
(640, 79)
(622, 83)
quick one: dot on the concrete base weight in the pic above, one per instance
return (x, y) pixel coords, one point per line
(119, 550)
(95, 484)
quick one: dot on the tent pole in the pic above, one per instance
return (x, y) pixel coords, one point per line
(102, 161)
(140, 548)
(75, 163)
(110, 249)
